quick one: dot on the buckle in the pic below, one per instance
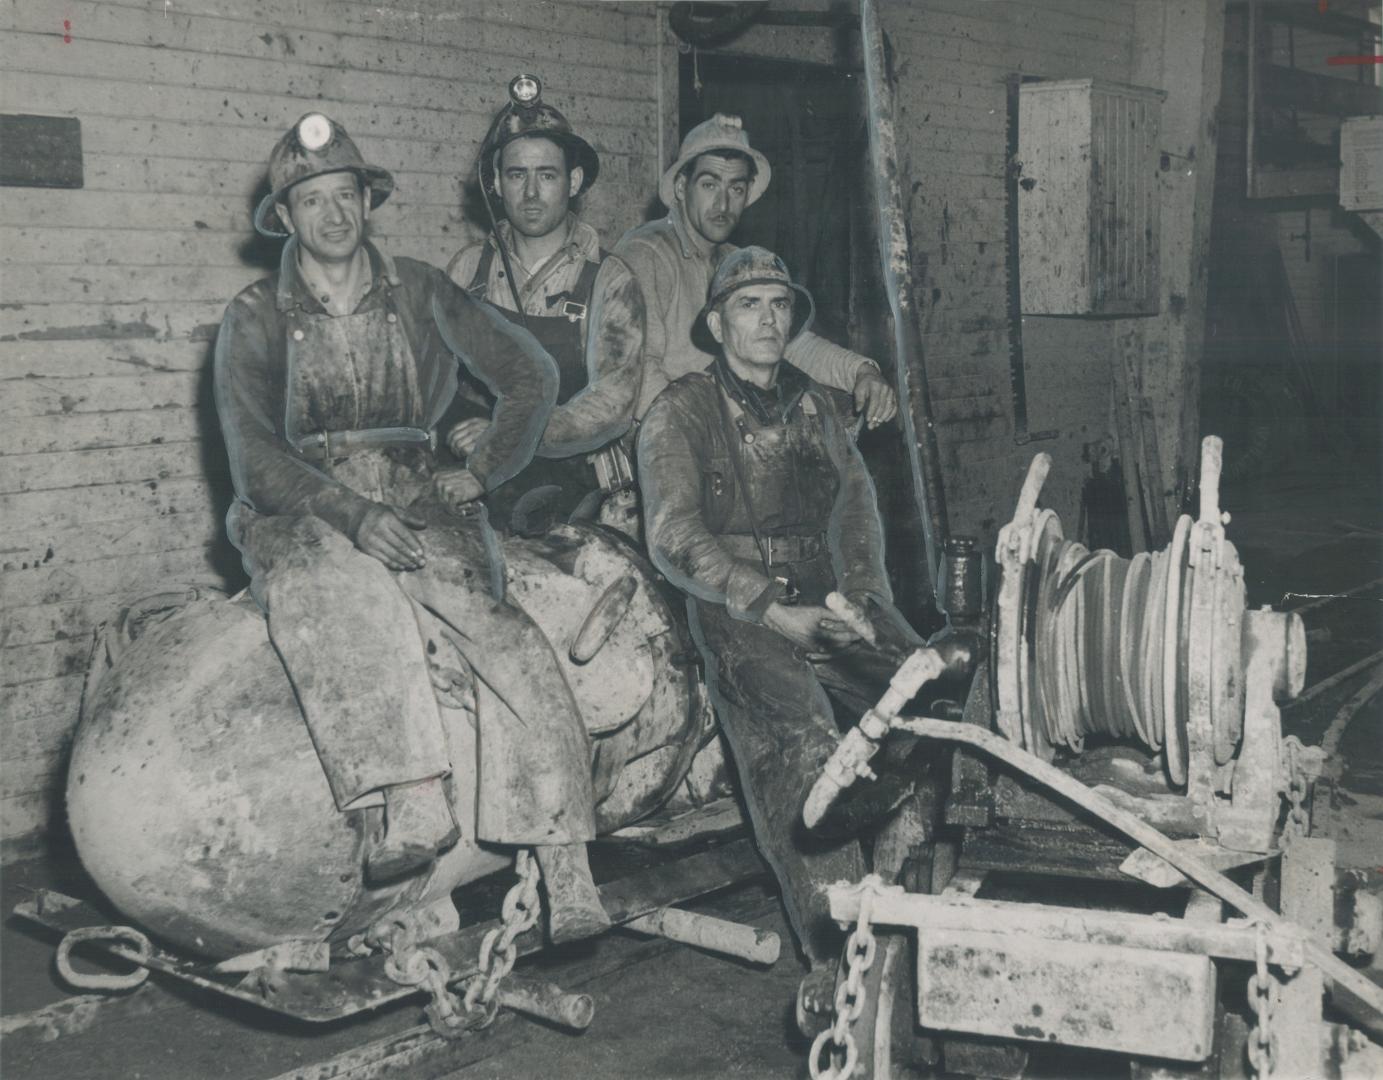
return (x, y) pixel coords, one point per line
(573, 311)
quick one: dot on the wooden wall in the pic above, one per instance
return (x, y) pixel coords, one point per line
(109, 453)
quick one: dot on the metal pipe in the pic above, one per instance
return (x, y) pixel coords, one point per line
(547, 1001)
(708, 932)
(915, 409)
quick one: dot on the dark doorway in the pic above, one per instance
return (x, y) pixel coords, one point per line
(808, 121)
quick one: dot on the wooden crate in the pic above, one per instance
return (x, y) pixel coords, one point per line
(1088, 199)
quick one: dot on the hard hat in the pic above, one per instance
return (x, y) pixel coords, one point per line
(526, 116)
(314, 146)
(716, 135)
(751, 266)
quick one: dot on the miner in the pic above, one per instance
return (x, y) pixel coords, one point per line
(758, 505)
(330, 377)
(539, 266)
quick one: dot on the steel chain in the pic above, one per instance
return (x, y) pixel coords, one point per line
(850, 995)
(142, 950)
(1260, 1048)
(498, 952)
(1298, 823)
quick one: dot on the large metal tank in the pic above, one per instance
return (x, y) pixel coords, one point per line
(198, 803)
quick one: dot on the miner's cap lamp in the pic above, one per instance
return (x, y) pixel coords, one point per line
(526, 116)
(314, 146)
(525, 91)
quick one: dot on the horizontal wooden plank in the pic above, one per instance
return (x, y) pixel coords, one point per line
(21, 703)
(100, 357)
(66, 621)
(84, 322)
(24, 820)
(92, 431)
(125, 576)
(1039, 25)
(84, 468)
(54, 546)
(50, 660)
(53, 510)
(158, 390)
(463, 118)
(329, 67)
(35, 283)
(34, 773)
(308, 43)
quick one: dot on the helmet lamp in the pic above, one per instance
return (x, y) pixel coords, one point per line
(314, 131)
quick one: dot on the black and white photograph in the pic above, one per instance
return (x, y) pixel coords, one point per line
(649, 540)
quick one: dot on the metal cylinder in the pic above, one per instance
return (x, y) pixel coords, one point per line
(961, 596)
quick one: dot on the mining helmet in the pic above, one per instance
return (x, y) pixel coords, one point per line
(751, 266)
(314, 146)
(526, 117)
(719, 134)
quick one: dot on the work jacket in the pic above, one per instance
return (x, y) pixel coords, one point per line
(699, 449)
(604, 343)
(274, 396)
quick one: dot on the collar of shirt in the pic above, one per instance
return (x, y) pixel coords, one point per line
(693, 244)
(772, 405)
(558, 273)
(293, 291)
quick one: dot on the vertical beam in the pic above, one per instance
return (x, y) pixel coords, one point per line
(1178, 46)
(919, 432)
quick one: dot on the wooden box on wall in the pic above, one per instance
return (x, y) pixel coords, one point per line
(1088, 198)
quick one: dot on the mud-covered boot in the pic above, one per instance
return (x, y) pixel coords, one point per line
(418, 823)
(574, 909)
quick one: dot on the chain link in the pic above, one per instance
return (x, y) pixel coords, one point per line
(410, 964)
(850, 995)
(1260, 1048)
(1298, 822)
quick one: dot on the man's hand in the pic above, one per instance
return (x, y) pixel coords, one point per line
(810, 627)
(464, 436)
(874, 398)
(388, 535)
(457, 486)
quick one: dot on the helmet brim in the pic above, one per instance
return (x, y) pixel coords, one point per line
(802, 312)
(586, 157)
(379, 182)
(763, 171)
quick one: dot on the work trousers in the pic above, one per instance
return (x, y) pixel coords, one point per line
(779, 711)
(346, 628)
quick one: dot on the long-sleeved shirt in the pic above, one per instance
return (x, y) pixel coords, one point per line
(614, 329)
(692, 499)
(261, 419)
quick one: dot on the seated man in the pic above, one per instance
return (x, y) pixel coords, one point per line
(758, 505)
(330, 376)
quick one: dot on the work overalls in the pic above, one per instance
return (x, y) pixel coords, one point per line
(563, 335)
(346, 626)
(778, 705)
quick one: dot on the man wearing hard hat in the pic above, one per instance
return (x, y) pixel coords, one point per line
(717, 175)
(330, 376)
(758, 505)
(539, 266)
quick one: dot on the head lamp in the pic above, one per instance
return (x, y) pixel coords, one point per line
(525, 90)
(314, 131)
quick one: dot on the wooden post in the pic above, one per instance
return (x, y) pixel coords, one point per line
(914, 402)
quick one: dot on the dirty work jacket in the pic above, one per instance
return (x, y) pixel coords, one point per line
(673, 266)
(613, 329)
(687, 471)
(261, 415)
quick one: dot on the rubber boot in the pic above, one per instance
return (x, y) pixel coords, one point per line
(418, 823)
(573, 902)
